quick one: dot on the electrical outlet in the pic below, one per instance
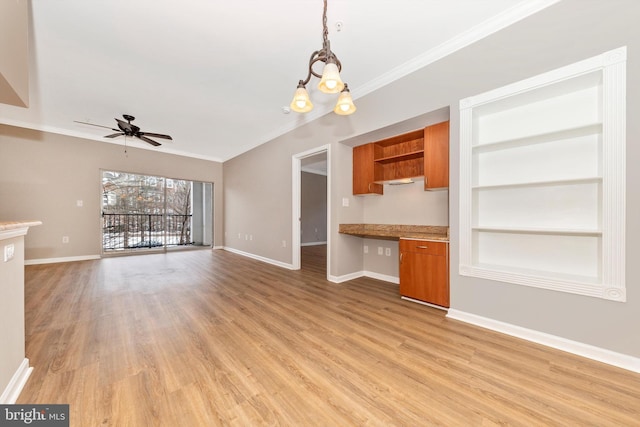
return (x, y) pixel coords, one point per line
(387, 251)
(379, 250)
(284, 243)
(366, 249)
(246, 237)
(345, 202)
(9, 252)
(79, 203)
(250, 236)
(65, 239)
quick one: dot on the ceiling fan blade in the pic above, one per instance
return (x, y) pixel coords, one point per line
(114, 135)
(92, 124)
(150, 141)
(156, 135)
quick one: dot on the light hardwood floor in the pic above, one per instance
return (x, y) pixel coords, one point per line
(204, 338)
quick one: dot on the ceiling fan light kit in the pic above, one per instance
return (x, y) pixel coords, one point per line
(330, 80)
(129, 129)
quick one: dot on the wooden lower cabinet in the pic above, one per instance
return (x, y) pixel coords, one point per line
(424, 271)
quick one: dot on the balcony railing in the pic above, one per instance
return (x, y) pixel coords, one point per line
(122, 231)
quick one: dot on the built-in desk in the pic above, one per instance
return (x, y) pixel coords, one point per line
(424, 258)
(396, 231)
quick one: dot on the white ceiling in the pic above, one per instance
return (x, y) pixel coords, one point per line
(215, 74)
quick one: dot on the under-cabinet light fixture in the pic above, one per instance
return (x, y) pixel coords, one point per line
(401, 181)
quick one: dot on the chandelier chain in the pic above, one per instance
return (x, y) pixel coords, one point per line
(325, 30)
(330, 81)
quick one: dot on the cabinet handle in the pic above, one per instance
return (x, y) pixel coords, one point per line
(369, 187)
(422, 247)
(401, 254)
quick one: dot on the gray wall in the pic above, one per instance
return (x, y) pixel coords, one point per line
(42, 175)
(258, 183)
(313, 208)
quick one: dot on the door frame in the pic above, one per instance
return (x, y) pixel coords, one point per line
(296, 203)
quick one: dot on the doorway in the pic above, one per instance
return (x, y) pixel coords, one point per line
(311, 211)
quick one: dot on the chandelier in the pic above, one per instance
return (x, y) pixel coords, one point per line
(330, 81)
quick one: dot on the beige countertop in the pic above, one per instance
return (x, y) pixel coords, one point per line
(396, 231)
(12, 225)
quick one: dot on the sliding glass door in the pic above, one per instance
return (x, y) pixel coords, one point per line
(142, 212)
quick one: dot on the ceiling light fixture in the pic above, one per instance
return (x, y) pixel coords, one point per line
(330, 81)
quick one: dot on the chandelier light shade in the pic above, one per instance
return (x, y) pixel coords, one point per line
(301, 102)
(345, 105)
(330, 80)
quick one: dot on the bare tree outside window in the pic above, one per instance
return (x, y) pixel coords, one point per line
(141, 211)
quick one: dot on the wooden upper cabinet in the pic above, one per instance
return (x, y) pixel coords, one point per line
(364, 171)
(422, 152)
(436, 156)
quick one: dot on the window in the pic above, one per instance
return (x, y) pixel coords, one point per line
(543, 180)
(144, 212)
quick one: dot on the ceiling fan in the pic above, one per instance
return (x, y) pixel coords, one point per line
(129, 129)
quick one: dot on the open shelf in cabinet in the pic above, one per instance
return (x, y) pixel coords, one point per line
(401, 157)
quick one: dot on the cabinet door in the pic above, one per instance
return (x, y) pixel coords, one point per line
(363, 171)
(424, 276)
(436, 156)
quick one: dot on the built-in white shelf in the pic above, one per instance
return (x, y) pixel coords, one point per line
(542, 180)
(566, 279)
(539, 230)
(554, 136)
(586, 180)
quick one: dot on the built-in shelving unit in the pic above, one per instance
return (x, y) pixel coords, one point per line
(542, 180)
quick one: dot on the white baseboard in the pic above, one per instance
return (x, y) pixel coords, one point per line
(56, 260)
(11, 393)
(585, 350)
(384, 277)
(424, 303)
(313, 243)
(357, 274)
(345, 277)
(260, 258)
